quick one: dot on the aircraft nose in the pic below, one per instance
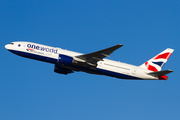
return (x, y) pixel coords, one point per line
(7, 46)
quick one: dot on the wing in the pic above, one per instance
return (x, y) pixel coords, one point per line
(93, 58)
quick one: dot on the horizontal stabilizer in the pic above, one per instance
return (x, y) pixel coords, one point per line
(160, 73)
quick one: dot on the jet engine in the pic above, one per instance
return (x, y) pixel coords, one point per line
(64, 59)
(61, 70)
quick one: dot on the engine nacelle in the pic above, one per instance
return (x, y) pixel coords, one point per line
(64, 59)
(61, 70)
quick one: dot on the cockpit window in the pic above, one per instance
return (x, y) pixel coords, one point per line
(12, 43)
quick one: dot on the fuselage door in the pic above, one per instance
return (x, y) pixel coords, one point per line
(134, 71)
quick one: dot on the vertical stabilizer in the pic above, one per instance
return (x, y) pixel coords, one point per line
(157, 62)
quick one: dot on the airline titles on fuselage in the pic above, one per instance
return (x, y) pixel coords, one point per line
(51, 50)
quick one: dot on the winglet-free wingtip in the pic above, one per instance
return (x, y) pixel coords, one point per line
(120, 45)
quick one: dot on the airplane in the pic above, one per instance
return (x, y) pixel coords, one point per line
(66, 62)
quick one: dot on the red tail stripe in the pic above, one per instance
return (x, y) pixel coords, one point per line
(150, 67)
(168, 56)
(164, 77)
(164, 56)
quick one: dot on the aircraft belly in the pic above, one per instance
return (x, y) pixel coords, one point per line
(83, 69)
(35, 56)
(117, 74)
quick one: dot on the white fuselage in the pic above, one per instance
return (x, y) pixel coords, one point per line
(105, 67)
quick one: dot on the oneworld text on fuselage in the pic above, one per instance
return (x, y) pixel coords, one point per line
(52, 50)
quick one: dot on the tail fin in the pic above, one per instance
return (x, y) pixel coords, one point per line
(157, 62)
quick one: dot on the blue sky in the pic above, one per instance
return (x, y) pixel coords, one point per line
(30, 90)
